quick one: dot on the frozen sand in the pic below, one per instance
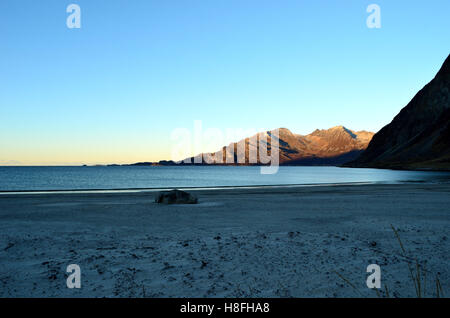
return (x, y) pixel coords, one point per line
(274, 242)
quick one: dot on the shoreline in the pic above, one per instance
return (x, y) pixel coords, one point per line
(345, 165)
(137, 190)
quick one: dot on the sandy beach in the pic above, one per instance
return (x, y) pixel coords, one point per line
(268, 242)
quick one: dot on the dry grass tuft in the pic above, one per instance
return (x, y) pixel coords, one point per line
(417, 273)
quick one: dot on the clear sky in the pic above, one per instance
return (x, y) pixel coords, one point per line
(114, 90)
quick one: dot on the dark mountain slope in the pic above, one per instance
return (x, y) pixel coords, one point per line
(419, 136)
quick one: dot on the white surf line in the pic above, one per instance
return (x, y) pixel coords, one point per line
(183, 188)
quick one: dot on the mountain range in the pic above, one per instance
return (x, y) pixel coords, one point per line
(417, 138)
(332, 146)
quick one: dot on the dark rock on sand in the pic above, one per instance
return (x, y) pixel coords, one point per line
(175, 197)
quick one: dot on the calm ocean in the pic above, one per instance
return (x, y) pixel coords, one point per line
(132, 177)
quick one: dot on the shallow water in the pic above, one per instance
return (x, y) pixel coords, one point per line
(137, 177)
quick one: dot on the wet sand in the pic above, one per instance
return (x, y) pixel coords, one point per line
(268, 242)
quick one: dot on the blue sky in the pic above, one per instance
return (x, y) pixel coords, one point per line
(114, 90)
